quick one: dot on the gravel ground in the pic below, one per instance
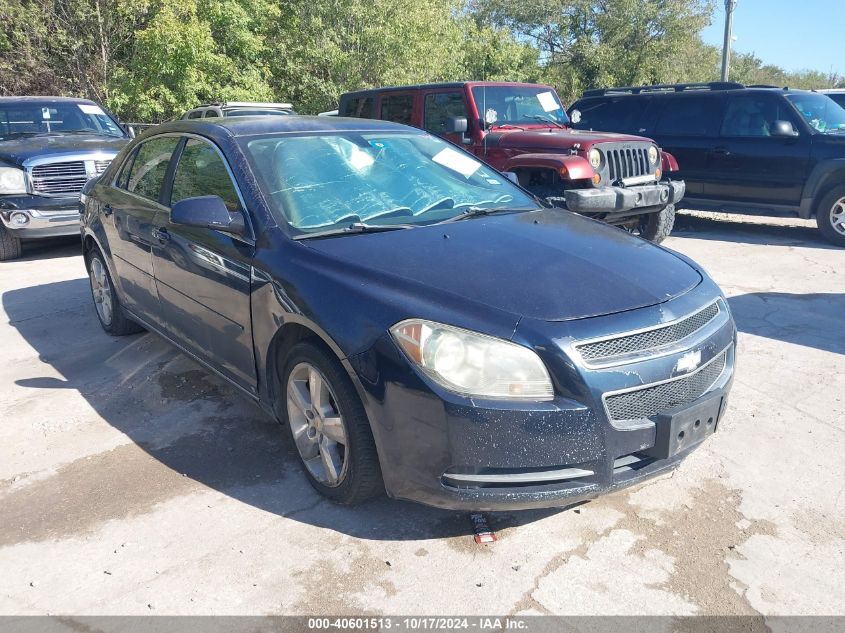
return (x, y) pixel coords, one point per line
(132, 482)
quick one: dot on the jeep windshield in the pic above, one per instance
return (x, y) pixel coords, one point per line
(518, 105)
(820, 111)
(341, 180)
(38, 118)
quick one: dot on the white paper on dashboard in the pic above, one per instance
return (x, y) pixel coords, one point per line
(456, 161)
(90, 108)
(547, 101)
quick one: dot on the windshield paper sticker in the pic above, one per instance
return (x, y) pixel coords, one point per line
(45, 113)
(456, 161)
(90, 108)
(547, 101)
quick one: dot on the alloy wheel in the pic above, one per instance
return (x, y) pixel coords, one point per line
(837, 216)
(101, 290)
(318, 428)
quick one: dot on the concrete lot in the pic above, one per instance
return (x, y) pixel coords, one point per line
(133, 482)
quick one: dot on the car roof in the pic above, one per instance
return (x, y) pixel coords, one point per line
(613, 94)
(43, 99)
(436, 86)
(257, 125)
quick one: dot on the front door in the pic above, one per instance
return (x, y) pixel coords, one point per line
(128, 210)
(438, 107)
(203, 275)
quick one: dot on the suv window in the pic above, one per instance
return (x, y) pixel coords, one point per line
(753, 114)
(202, 172)
(439, 107)
(196, 114)
(361, 107)
(622, 114)
(150, 166)
(689, 116)
(397, 108)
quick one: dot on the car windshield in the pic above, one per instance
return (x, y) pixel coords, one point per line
(327, 181)
(518, 105)
(820, 111)
(33, 118)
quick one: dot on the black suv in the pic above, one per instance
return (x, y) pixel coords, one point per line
(756, 149)
(49, 148)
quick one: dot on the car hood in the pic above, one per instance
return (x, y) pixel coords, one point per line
(18, 150)
(549, 264)
(554, 138)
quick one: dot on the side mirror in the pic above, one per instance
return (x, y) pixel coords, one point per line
(456, 125)
(129, 130)
(208, 212)
(782, 128)
(575, 116)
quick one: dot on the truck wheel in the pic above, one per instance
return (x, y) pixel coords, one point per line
(329, 426)
(830, 216)
(10, 245)
(109, 310)
(656, 227)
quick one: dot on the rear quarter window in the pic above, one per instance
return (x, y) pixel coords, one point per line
(358, 107)
(696, 115)
(619, 114)
(397, 108)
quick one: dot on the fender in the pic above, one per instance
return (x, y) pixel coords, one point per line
(569, 166)
(668, 163)
(824, 176)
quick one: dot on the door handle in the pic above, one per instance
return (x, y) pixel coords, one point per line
(107, 210)
(722, 151)
(161, 234)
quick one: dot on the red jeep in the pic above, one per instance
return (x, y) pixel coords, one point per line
(523, 129)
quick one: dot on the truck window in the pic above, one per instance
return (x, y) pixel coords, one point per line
(689, 116)
(439, 107)
(397, 108)
(360, 107)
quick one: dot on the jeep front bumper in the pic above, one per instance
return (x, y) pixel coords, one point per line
(625, 200)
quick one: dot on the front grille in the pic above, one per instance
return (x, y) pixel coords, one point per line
(627, 163)
(59, 178)
(652, 400)
(100, 166)
(650, 339)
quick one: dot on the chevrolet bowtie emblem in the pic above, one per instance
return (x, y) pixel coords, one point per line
(689, 361)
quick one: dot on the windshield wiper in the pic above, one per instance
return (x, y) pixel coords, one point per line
(475, 212)
(540, 117)
(355, 227)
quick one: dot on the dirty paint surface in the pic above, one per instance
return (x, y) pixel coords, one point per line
(133, 482)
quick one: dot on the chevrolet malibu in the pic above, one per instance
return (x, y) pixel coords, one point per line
(418, 322)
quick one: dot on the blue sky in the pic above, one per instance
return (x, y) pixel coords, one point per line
(791, 34)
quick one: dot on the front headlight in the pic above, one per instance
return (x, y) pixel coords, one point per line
(595, 158)
(12, 180)
(652, 155)
(473, 364)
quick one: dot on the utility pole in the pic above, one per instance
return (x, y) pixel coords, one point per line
(730, 5)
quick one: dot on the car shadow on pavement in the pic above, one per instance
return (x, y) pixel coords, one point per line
(812, 320)
(51, 248)
(195, 426)
(756, 230)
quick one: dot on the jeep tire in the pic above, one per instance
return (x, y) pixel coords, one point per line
(655, 227)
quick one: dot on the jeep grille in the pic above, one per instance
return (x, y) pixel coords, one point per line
(627, 163)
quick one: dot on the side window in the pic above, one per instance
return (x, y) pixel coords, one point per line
(620, 114)
(195, 114)
(202, 172)
(211, 112)
(689, 116)
(360, 107)
(123, 179)
(439, 107)
(397, 108)
(753, 115)
(150, 166)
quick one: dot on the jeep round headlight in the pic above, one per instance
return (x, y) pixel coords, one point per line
(12, 180)
(595, 158)
(652, 155)
(473, 364)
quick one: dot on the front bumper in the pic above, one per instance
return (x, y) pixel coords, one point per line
(45, 217)
(641, 198)
(452, 452)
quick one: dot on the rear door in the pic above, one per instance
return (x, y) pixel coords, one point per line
(750, 165)
(203, 275)
(686, 125)
(129, 208)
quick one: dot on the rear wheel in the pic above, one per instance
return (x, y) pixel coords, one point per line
(830, 216)
(10, 245)
(329, 426)
(654, 227)
(109, 310)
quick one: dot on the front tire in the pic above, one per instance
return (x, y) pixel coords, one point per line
(110, 312)
(329, 426)
(655, 227)
(10, 245)
(830, 216)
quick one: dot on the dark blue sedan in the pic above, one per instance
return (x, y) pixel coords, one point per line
(418, 322)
